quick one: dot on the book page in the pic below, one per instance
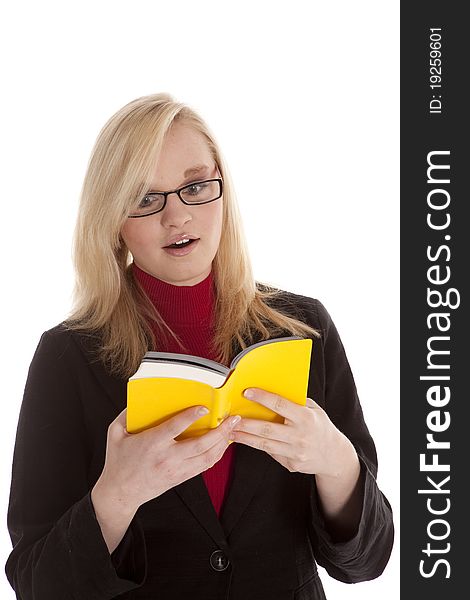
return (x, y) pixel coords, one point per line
(177, 370)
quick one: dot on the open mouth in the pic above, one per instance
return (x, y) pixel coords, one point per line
(181, 244)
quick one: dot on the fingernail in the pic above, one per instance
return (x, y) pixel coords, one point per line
(235, 420)
(249, 394)
(202, 411)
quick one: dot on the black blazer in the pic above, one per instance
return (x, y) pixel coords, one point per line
(270, 534)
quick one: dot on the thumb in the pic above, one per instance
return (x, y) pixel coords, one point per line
(121, 418)
(117, 428)
(310, 403)
(121, 421)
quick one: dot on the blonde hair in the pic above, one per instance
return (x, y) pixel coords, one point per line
(107, 299)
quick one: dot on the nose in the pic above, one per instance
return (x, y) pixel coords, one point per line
(175, 213)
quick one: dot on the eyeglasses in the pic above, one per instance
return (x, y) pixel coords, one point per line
(199, 192)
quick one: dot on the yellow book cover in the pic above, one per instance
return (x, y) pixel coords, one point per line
(167, 383)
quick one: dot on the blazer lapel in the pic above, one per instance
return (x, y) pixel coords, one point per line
(193, 492)
(250, 468)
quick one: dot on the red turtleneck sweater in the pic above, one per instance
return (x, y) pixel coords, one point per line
(189, 312)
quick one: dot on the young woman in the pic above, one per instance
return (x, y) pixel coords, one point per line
(98, 513)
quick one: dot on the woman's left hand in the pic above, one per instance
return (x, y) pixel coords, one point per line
(306, 442)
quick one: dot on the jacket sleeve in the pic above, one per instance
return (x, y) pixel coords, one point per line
(58, 551)
(365, 556)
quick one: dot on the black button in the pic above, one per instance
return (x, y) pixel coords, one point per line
(218, 560)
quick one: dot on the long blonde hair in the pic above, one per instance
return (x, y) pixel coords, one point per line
(108, 300)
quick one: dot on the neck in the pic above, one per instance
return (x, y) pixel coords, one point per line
(179, 304)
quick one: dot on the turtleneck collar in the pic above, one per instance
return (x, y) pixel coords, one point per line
(179, 304)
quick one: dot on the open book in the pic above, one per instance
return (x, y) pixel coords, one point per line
(167, 383)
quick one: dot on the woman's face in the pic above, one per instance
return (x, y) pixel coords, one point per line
(185, 158)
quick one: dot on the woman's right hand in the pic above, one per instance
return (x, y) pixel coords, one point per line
(142, 466)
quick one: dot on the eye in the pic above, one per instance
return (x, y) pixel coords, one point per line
(150, 203)
(146, 201)
(195, 188)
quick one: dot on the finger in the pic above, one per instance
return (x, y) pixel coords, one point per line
(266, 429)
(260, 443)
(201, 462)
(175, 425)
(197, 446)
(280, 405)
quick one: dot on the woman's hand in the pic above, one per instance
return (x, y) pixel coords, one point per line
(308, 442)
(142, 466)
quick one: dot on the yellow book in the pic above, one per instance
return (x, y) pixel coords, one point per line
(167, 383)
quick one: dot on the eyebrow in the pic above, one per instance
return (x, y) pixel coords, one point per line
(194, 171)
(188, 175)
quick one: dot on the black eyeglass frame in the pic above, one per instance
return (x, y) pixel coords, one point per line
(178, 192)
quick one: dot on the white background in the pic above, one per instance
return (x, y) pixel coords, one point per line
(303, 98)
